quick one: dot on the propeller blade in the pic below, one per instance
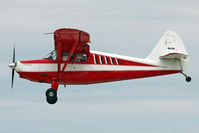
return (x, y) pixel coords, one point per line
(13, 73)
(13, 70)
(48, 33)
(13, 57)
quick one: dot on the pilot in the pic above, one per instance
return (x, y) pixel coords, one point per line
(81, 58)
(64, 57)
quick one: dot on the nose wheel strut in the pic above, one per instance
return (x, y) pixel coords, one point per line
(51, 93)
(187, 78)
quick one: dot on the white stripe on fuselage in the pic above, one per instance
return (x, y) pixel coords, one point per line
(52, 67)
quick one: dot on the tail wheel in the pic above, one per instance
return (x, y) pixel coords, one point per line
(188, 79)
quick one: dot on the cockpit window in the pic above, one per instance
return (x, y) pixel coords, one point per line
(78, 57)
(81, 57)
(64, 56)
(52, 55)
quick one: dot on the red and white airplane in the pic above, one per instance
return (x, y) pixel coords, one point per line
(72, 62)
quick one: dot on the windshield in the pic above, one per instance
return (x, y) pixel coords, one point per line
(52, 55)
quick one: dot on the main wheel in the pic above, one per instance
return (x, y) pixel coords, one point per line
(188, 79)
(51, 93)
(51, 100)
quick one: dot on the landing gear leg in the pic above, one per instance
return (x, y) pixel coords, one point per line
(187, 78)
(51, 93)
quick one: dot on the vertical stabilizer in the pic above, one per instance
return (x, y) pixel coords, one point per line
(170, 47)
(169, 44)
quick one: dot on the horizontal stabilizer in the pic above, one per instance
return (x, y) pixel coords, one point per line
(174, 56)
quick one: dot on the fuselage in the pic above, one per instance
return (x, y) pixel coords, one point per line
(98, 68)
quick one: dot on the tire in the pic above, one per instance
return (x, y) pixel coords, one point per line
(188, 79)
(52, 100)
(51, 93)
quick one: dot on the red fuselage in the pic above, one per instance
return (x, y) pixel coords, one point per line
(98, 68)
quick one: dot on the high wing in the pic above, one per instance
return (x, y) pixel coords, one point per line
(68, 37)
(71, 41)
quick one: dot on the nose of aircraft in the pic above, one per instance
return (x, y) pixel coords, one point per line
(12, 65)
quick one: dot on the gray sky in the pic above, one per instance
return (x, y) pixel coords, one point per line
(164, 104)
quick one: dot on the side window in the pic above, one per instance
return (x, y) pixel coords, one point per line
(64, 56)
(81, 57)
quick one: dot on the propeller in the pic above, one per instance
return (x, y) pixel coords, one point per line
(12, 66)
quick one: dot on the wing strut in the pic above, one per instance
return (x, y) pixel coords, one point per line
(59, 57)
(70, 55)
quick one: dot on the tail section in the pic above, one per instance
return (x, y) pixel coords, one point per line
(174, 56)
(170, 47)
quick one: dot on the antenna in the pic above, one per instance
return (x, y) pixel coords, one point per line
(122, 45)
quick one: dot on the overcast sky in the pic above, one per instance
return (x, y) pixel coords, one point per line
(164, 104)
